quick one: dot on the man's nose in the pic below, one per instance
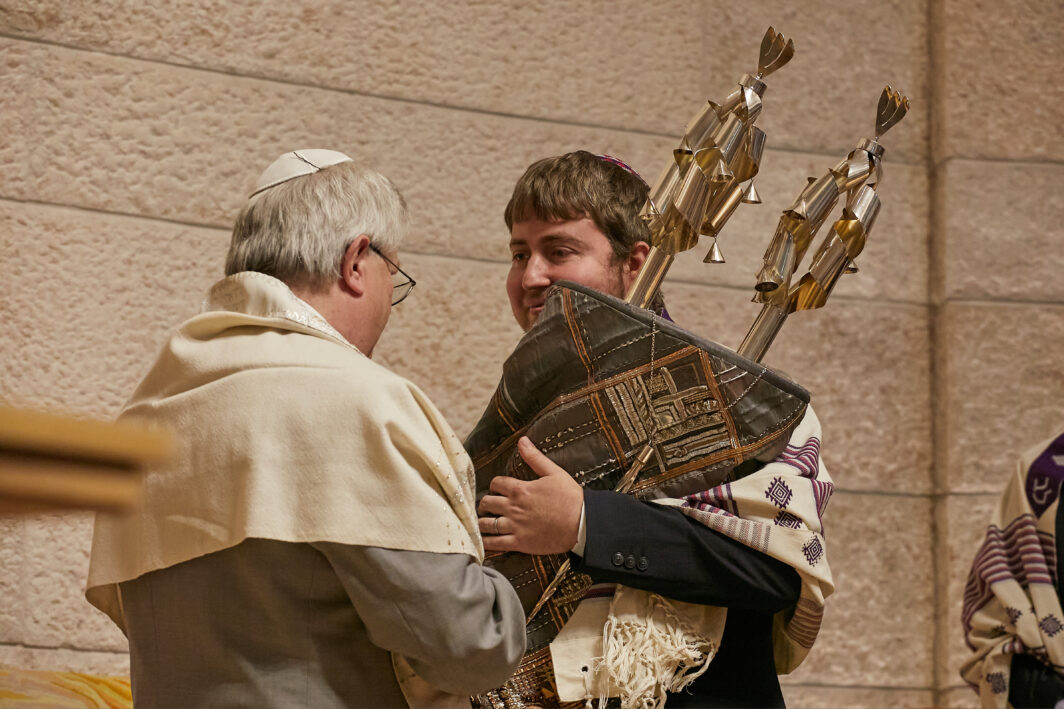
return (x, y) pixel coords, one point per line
(537, 274)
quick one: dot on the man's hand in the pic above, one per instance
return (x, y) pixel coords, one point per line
(533, 516)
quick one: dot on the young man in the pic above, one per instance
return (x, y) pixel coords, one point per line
(576, 217)
(312, 543)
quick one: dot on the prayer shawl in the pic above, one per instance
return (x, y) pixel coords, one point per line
(650, 645)
(1010, 601)
(287, 432)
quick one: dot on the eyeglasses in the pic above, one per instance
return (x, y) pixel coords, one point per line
(402, 283)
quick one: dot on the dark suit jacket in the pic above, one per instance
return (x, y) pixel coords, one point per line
(658, 549)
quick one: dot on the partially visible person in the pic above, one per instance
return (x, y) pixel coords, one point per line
(575, 217)
(313, 542)
(1012, 614)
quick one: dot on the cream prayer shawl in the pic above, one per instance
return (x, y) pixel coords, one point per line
(1010, 601)
(652, 645)
(286, 432)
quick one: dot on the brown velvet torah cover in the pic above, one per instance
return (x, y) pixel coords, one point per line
(589, 383)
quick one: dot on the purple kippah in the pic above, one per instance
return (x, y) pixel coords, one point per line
(621, 164)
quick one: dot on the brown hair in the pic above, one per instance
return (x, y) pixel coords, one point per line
(582, 184)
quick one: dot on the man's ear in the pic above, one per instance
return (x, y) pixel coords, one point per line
(636, 258)
(353, 265)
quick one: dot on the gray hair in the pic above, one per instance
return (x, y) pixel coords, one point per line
(297, 231)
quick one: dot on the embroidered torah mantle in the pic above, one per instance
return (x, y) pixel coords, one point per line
(591, 384)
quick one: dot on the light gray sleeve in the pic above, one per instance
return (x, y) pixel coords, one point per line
(460, 624)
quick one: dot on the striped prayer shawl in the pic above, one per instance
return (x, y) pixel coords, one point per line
(1011, 603)
(777, 510)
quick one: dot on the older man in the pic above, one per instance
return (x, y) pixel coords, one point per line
(575, 217)
(313, 542)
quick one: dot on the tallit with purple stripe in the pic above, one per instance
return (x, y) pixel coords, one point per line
(778, 511)
(1010, 600)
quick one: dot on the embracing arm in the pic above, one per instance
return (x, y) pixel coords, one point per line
(460, 624)
(654, 548)
(638, 544)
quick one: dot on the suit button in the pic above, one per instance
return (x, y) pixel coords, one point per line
(618, 558)
(642, 564)
(629, 562)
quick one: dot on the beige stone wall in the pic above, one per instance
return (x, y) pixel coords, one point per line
(132, 130)
(996, 295)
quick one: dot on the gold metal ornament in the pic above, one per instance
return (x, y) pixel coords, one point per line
(892, 108)
(714, 255)
(710, 175)
(776, 50)
(856, 176)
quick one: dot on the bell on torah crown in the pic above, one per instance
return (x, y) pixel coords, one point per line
(714, 255)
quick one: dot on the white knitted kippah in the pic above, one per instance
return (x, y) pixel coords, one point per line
(296, 164)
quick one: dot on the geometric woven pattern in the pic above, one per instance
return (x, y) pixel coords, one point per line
(592, 383)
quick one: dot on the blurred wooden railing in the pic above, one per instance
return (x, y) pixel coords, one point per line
(51, 462)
